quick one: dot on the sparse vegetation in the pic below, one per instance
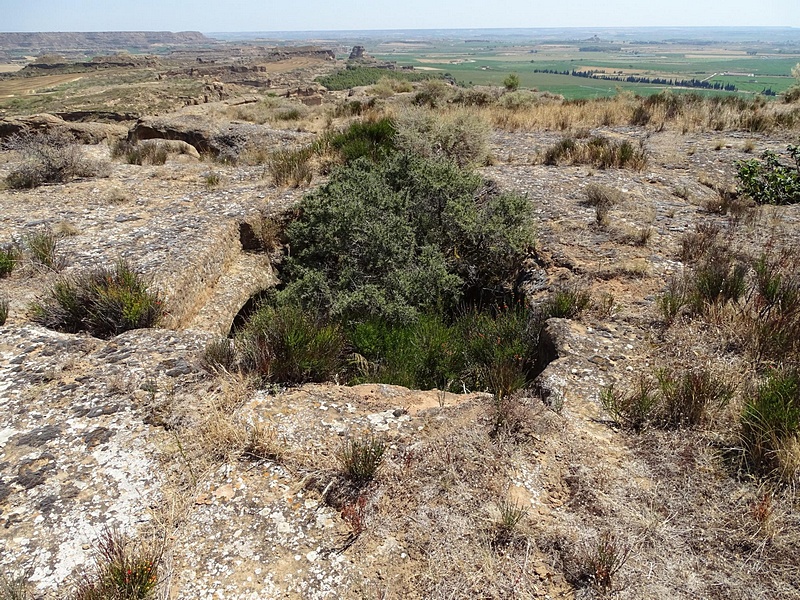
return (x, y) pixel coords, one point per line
(770, 425)
(53, 157)
(596, 151)
(290, 167)
(212, 180)
(9, 257)
(42, 248)
(674, 399)
(360, 458)
(140, 154)
(405, 267)
(105, 302)
(123, 569)
(14, 588)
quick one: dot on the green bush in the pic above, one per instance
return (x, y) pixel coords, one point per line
(15, 588)
(3, 311)
(769, 181)
(687, 396)
(371, 139)
(566, 303)
(631, 410)
(290, 345)
(518, 100)
(511, 83)
(147, 152)
(774, 332)
(433, 93)
(405, 235)
(770, 422)
(104, 302)
(492, 350)
(220, 355)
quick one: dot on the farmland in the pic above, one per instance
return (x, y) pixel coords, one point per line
(750, 67)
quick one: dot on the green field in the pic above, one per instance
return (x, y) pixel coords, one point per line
(480, 63)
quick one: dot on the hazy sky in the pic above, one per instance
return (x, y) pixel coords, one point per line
(293, 15)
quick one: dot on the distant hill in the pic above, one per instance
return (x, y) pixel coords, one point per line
(43, 42)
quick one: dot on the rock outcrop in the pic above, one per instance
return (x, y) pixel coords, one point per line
(88, 133)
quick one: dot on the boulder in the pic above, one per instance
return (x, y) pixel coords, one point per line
(192, 129)
(173, 147)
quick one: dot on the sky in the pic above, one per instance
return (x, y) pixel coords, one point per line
(315, 15)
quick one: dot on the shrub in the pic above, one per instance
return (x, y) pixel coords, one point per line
(769, 181)
(459, 136)
(518, 100)
(602, 195)
(675, 400)
(220, 355)
(290, 167)
(9, 257)
(687, 396)
(492, 350)
(42, 246)
(53, 157)
(292, 345)
(151, 153)
(433, 93)
(774, 330)
(3, 311)
(360, 459)
(371, 139)
(476, 97)
(293, 113)
(212, 180)
(405, 235)
(770, 422)
(632, 410)
(674, 298)
(123, 570)
(605, 560)
(718, 279)
(388, 86)
(511, 83)
(597, 151)
(510, 515)
(697, 244)
(105, 302)
(566, 303)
